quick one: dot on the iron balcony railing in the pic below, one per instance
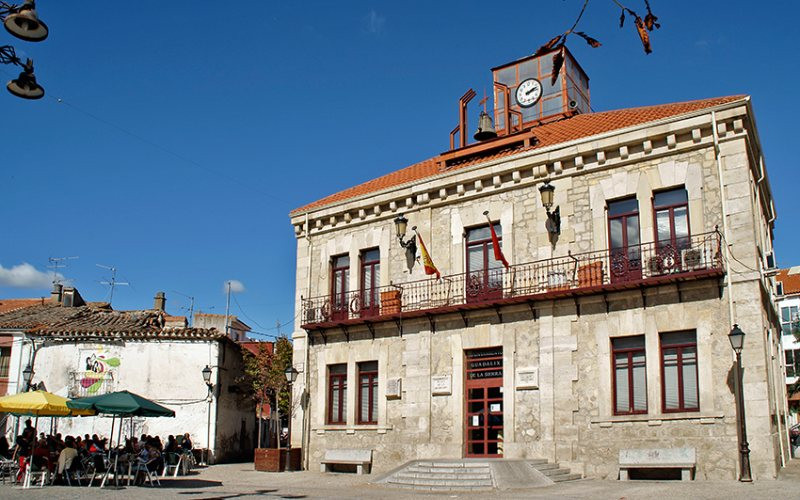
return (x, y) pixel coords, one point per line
(84, 384)
(574, 274)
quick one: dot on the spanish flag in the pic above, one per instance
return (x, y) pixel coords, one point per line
(427, 262)
(498, 252)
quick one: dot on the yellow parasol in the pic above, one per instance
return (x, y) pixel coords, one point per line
(40, 404)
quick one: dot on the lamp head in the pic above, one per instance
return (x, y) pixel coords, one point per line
(401, 224)
(291, 374)
(207, 375)
(547, 191)
(27, 375)
(25, 85)
(24, 24)
(736, 336)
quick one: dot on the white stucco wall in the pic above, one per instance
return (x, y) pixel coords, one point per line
(168, 372)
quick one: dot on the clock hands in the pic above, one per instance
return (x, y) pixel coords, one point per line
(533, 89)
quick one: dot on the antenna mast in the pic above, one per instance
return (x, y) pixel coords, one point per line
(191, 306)
(56, 263)
(113, 281)
(227, 306)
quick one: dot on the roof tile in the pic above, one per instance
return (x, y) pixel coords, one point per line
(549, 134)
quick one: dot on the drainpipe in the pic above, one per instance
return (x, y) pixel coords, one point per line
(775, 395)
(305, 438)
(724, 216)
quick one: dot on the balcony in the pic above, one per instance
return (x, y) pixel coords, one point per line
(634, 267)
(83, 384)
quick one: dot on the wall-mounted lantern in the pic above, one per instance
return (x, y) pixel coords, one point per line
(27, 375)
(553, 223)
(401, 224)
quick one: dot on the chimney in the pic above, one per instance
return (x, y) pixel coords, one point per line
(160, 302)
(55, 294)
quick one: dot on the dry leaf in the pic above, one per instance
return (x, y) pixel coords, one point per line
(548, 46)
(650, 21)
(558, 61)
(622, 18)
(642, 29)
(591, 41)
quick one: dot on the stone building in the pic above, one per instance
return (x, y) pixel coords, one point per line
(608, 329)
(78, 349)
(789, 306)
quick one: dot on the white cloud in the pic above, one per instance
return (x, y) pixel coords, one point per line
(26, 276)
(236, 286)
(375, 22)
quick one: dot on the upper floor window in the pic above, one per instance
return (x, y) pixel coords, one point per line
(789, 320)
(679, 371)
(340, 286)
(671, 213)
(630, 379)
(337, 394)
(5, 361)
(792, 362)
(623, 239)
(485, 275)
(368, 392)
(370, 281)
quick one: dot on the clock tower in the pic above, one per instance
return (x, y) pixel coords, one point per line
(526, 92)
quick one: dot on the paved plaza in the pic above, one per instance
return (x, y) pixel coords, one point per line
(241, 481)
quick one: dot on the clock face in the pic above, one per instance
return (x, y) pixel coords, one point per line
(529, 92)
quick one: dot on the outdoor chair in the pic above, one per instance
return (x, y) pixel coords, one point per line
(174, 463)
(9, 470)
(35, 473)
(75, 472)
(144, 467)
(96, 466)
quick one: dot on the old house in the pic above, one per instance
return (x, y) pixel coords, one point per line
(77, 349)
(634, 240)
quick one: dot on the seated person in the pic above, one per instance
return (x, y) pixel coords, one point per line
(68, 457)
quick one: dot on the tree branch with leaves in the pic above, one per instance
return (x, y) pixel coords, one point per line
(643, 27)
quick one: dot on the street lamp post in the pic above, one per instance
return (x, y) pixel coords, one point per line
(736, 337)
(291, 376)
(207, 379)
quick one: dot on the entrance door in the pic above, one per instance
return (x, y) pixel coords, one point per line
(484, 402)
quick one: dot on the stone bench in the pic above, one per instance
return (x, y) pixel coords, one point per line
(359, 458)
(684, 459)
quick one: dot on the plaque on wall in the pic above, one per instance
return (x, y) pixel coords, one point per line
(527, 378)
(441, 385)
(393, 388)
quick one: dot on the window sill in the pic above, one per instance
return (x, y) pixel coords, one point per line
(351, 429)
(656, 419)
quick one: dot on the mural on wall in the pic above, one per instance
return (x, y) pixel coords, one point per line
(98, 371)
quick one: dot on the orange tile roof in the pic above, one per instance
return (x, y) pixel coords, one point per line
(8, 305)
(548, 134)
(791, 281)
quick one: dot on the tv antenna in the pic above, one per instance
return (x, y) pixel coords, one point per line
(190, 308)
(56, 263)
(113, 281)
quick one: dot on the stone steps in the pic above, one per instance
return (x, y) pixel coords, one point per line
(473, 475)
(554, 472)
(443, 475)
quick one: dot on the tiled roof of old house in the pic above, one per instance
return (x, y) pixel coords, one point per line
(7, 305)
(549, 134)
(791, 280)
(99, 320)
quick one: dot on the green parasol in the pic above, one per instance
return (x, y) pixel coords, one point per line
(122, 403)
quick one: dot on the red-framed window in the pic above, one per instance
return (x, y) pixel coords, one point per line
(370, 281)
(5, 361)
(624, 239)
(337, 394)
(485, 273)
(630, 377)
(679, 372)
(340, 285)
(671, 214)
(368, 392)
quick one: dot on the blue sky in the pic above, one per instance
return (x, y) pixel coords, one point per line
(186, 131)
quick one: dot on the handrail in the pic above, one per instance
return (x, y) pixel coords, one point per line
(574, 272)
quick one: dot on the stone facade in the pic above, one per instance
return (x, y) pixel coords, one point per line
(557, 378)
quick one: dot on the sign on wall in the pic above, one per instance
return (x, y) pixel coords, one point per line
(96, 372)
(527, 378)
(441, 385)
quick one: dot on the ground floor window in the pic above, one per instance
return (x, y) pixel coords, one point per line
(368, 392)
(630, 379)
(337, 394)
(679, 371)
